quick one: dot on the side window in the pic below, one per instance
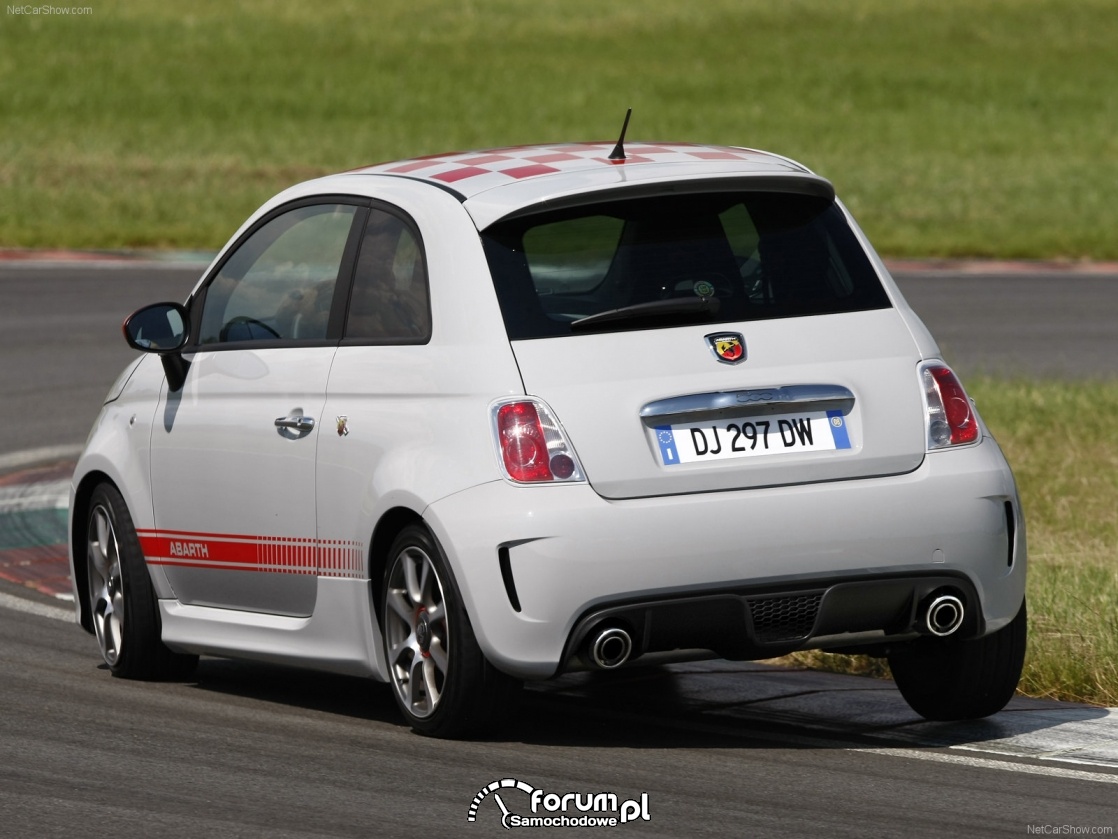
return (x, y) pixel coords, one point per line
(390, 298)
(279, 283)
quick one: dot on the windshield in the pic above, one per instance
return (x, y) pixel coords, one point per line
(722, 257)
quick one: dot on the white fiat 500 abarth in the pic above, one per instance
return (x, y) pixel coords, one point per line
(469, 419)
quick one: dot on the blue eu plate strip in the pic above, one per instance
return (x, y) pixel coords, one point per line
(838, 429)
(668, 452)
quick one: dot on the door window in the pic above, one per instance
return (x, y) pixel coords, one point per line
(279, 283)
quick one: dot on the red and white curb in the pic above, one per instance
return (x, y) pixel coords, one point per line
(33, 503)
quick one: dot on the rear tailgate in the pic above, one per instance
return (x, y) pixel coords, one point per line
(822, 398)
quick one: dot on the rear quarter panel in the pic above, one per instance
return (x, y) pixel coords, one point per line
(417, 417)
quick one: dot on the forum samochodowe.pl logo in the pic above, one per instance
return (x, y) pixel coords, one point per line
(521, 805)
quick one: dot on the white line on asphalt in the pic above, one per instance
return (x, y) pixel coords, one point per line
(29, 457)
(32, 607)
(987, 763)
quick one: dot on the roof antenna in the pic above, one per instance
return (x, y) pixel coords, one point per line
(618, 152)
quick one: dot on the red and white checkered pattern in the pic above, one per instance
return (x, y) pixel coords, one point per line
(473, 172)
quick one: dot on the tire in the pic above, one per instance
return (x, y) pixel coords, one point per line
(442, 681)
(961, 680)
(122, 601)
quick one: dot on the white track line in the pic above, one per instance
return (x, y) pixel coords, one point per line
(30, 457)
(33, 607)
(1003, 765)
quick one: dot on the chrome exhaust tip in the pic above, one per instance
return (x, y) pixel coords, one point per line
(610, 647)
(943, 616)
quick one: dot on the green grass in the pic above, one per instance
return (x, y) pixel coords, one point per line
(977, 128)
(1062, 441)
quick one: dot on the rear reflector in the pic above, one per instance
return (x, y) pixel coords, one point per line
(951, 420)
(531, 444)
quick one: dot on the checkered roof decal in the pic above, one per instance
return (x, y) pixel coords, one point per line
(472, 172)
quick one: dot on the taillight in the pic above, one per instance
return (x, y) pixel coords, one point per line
(531, 444)
(951, 418)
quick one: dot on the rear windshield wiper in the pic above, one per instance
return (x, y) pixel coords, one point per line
(654, 310)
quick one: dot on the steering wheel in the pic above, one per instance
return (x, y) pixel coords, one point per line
(245, 320)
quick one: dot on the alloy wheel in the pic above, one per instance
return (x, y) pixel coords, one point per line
(106, 583)
(416, 631)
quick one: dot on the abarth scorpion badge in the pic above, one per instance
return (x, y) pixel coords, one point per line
(728, 347)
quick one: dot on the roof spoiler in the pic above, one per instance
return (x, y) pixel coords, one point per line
(486, 214)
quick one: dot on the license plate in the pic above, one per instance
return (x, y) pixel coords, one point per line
(810, 431)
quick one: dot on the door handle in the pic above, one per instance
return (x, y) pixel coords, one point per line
(299, 423)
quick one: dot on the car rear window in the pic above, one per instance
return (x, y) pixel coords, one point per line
(675, 260)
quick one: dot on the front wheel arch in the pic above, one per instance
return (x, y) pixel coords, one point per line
(79, 514)
(122, 602)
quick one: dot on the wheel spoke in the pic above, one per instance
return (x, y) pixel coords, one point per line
(400, 606)
(108, 609)
(104, 528)
(439, 655)
(404, 641)
(416, 696)
(425, 577)
(114, 627)
(99, 594)
(101, 537)
(430, 683)
(411, 580)
(117, 603)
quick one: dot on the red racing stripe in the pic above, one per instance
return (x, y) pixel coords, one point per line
(271, 554)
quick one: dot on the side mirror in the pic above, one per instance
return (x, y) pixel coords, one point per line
(162, 328)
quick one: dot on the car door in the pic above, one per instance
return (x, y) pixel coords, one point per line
(233, 450)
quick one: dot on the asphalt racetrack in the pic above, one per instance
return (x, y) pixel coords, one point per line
(707, 749)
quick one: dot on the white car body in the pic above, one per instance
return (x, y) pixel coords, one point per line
(270, 543)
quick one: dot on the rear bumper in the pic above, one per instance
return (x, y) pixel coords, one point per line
(757, 622)
(537, 566)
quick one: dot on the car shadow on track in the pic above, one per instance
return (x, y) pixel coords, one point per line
(714, 704)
